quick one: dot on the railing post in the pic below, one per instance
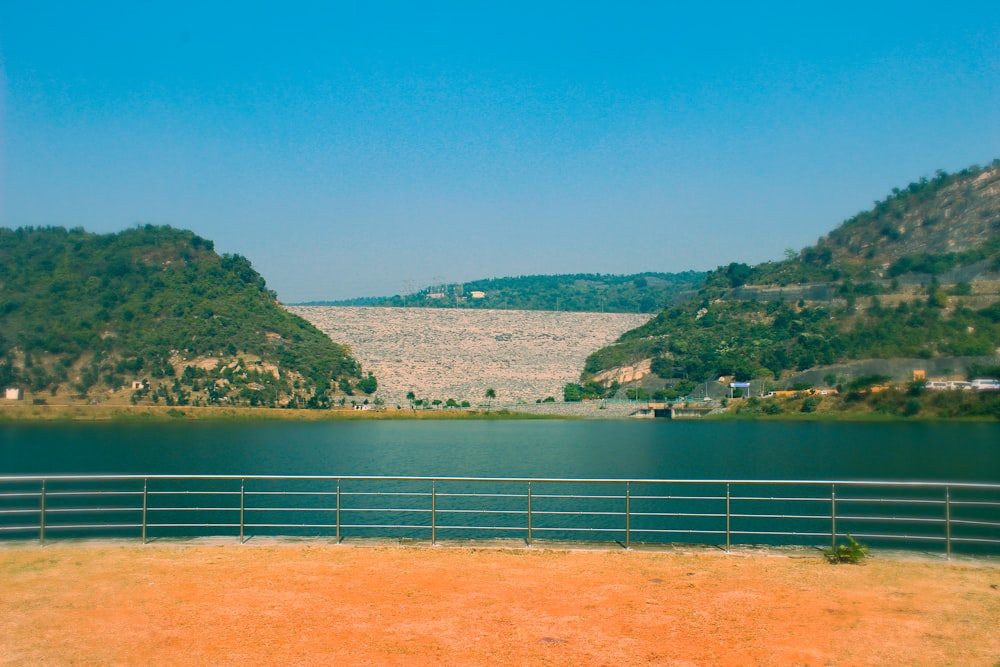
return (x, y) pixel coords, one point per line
(41, 517)
(338, 511)
(628, 515)
(947, 521)
(145, 506)
(529, 514)
(728, 519)
(833, 517)
(242, 506)
(433, 514)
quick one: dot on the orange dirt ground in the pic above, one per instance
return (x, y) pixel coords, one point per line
(315, 603)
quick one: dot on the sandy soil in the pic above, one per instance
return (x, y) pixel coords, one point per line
(313, 603)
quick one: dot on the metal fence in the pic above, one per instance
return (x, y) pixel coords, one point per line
(923, 515)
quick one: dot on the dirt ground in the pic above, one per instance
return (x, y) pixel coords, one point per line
(315, 603)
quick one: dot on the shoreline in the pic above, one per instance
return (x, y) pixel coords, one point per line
(23, 412)
(15, 413)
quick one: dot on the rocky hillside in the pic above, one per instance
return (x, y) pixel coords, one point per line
(934, 226)
(155, 315)
(916, 277)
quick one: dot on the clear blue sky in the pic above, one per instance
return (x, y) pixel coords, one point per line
(353, 149)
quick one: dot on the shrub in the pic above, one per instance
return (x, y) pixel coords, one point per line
(852, 552)
(772, 408)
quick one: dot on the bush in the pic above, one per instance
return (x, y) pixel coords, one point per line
(772, 408)
(368, 384)
(852, 552)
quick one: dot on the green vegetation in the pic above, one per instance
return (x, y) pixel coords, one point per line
(895, 282)
(750, 340)
(156, 309)
(592, 390)
(23, 412)
(908, 401)
(929, 227)
(582, 292)
(851, 552)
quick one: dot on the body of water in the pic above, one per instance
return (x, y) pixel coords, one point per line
(587, 450)
(508, 448)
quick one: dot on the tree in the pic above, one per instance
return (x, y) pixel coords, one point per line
(411, 397)
(490, 395)
(368, 384)
(738, 273)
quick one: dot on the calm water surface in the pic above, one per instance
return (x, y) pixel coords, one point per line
(615, 449)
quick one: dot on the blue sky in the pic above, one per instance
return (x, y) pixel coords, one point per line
(354, 149)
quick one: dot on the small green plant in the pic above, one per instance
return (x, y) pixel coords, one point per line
(852, 552)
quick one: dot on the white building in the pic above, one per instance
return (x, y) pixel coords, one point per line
(14, 394)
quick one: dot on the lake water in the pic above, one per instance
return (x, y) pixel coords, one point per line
(648, 449)
(567, 449)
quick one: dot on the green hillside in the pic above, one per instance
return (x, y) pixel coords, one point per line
(918, 276)
(86, 315)
(580, 292)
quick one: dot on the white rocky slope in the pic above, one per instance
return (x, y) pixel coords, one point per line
(451, 353)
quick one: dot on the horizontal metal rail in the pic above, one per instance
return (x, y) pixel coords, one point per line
(622, 510)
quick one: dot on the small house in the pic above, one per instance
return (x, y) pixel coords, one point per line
(14, 394)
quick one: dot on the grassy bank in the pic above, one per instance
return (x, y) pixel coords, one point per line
(24, 412)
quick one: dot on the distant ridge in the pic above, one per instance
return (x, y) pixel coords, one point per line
(579, 292)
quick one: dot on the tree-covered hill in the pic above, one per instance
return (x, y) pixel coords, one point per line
(84, 315)
(581, 292)
(918, 276)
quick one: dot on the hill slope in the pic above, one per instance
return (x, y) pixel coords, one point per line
(89, 314)
(917, 276)
(580, 292)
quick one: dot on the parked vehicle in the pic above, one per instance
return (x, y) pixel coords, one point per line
(985, 384)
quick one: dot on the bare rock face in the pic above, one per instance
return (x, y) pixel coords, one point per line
(451, 353)
(624, 374)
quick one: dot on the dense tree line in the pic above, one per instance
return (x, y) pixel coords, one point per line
(581, 292)
(82, 311)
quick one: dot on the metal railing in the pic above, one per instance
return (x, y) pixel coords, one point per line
(626, 511)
